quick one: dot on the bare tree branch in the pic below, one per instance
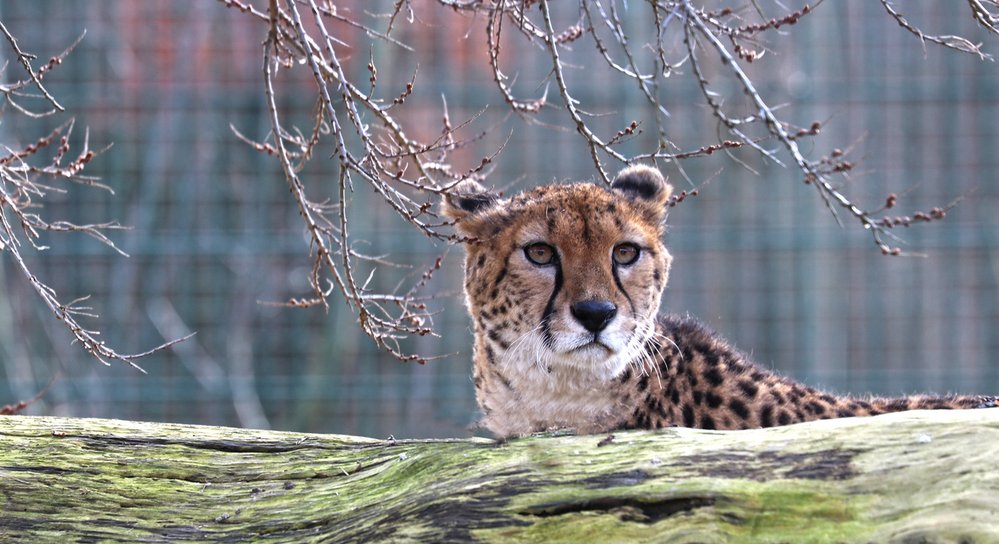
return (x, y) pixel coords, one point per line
(371, 139)
(25, 60)
(953, 42)
(22, 195)
(985, 17)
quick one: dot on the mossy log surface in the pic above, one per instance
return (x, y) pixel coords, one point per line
(908, 477)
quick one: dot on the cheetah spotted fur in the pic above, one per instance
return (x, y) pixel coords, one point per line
(563, 284)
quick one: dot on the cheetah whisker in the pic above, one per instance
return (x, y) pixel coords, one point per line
(529, 341)
(650, 357)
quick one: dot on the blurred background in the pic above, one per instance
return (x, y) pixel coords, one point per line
(215, 235)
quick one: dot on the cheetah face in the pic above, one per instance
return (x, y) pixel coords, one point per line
(565, 278)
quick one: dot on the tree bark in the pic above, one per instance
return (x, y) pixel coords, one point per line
(908, 477)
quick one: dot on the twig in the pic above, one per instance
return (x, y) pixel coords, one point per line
(954, 42)
(830, 195)
(25, 60)
(22, 195)
(592, 140)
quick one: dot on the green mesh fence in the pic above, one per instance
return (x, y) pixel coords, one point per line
(214, 232)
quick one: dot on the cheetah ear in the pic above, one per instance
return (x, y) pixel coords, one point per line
(466, 203)
(645, 185)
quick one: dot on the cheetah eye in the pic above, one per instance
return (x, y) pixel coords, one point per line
(626, 253)
(540, 253)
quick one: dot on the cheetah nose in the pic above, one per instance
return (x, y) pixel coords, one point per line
(594, 314)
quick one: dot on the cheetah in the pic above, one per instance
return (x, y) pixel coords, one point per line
(563, 284)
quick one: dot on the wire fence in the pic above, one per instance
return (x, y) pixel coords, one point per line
(215, 236)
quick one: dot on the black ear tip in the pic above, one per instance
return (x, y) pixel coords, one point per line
(467, 198)
(472, 202)
(642, 182)
(639, 186)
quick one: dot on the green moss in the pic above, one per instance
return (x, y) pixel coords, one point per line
(916, 475)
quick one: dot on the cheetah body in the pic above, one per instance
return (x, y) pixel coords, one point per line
(564, 284)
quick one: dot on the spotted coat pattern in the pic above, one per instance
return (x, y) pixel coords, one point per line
(564, 283)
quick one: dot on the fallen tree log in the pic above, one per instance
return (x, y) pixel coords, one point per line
(915, 476)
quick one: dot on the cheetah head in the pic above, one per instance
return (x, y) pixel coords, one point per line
(565, 279)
